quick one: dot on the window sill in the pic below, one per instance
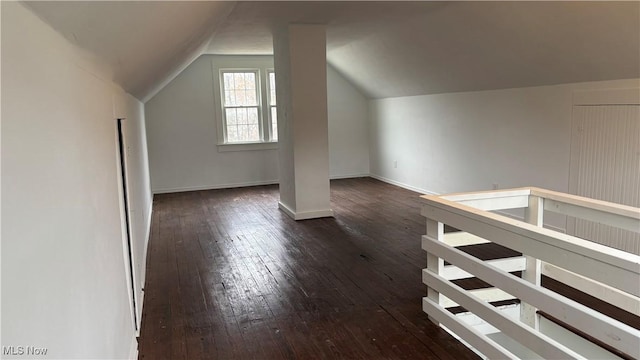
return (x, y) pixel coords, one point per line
(247, 146)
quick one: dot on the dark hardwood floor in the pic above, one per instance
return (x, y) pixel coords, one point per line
(229, 276)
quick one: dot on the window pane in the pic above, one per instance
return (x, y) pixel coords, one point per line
(250, 80)
(231, 116)
(228, 80)
(240, 88)
(227, 98)
(232, 133)
(242, 133)
(250, 98)
(254, 132)
(274, 123)
(272, 88)
(241, 116)
(238, 81)
(252, 116)
(240, 98)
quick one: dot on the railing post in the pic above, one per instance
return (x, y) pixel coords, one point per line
(533, 214)
(435, 230)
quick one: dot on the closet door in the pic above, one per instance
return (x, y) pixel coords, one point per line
(605, 165)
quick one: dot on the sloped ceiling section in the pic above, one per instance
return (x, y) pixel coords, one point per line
(144, 43)
(386, 49)
(479, 46)
(414, 48)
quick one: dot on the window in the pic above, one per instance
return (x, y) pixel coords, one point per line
(248, 106)
(272, 105)
(240, 106)
(245, 102)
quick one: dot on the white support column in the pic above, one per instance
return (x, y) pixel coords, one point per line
(300, 61)
(533, 214)
(435, 230)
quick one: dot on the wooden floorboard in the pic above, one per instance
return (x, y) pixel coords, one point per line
(229, 276)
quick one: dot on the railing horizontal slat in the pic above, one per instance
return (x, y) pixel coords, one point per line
(599, 216)
(490, 194)
(537, 342)
(607, 265)
(479, 341)
(604, 206)
(452, 272)
(596, 289)
(603, 328)
(487, 294)
(461, 238)
(500, 203)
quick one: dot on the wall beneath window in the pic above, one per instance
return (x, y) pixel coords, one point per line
(182, 136)
(469, 141)
(64, 285)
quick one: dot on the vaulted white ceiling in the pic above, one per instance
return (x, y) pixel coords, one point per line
(385, 48)
(412, 48)
(143, 42)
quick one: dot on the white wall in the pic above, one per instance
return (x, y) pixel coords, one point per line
(469, 141)
(64, 284)
(181, 130)
(348, 128)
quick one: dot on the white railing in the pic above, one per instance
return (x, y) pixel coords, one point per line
(603, 272)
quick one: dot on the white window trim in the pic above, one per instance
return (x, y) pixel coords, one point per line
(228, 147)
(260, 64)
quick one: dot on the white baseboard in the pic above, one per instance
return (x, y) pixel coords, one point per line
(316, 214)
(402, 185)
(214, 187)
(350, 176)
(286, 210)
(242, 184)
(304, 215)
